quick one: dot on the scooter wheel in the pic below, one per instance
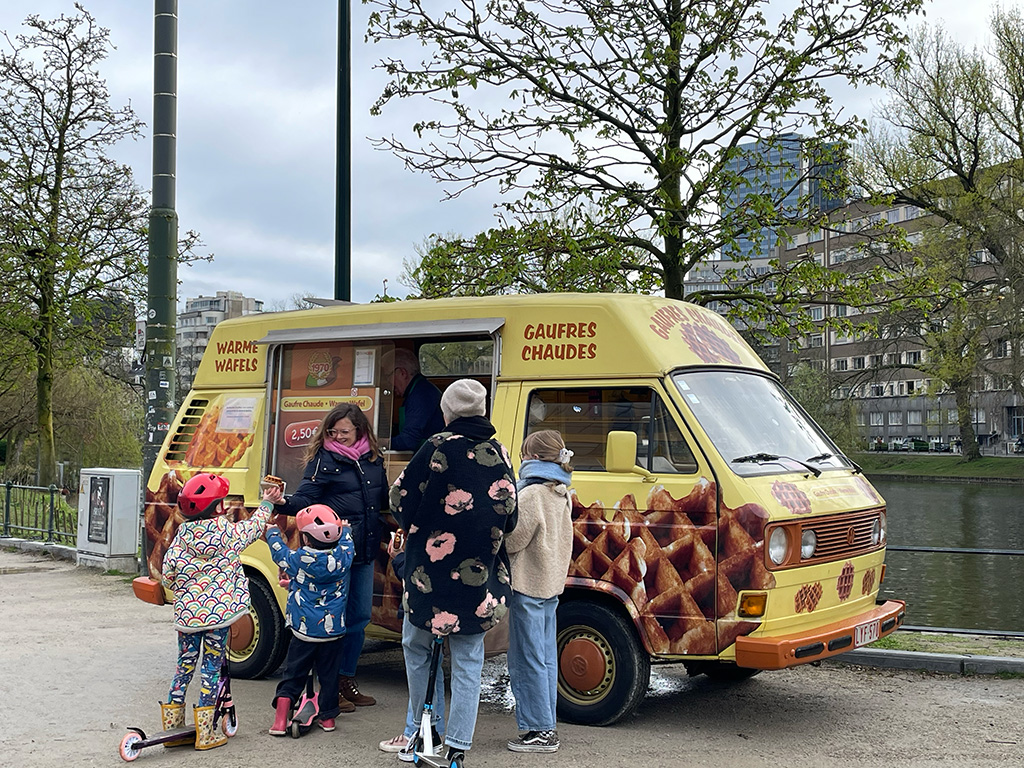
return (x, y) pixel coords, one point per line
(296, 730)
(129, 749)
(229, 723)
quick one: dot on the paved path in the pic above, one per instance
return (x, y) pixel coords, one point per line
(81, 658)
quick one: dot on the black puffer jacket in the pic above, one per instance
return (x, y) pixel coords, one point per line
(356, 490)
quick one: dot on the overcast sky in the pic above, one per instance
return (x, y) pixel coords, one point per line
(256, 119)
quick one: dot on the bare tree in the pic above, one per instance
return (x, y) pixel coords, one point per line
(624, 122)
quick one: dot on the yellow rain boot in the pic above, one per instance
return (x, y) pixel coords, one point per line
(206, 737)
(173, 716)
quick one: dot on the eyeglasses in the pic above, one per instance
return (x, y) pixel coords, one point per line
(336, 433)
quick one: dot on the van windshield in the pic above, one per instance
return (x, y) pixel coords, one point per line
(755, 424)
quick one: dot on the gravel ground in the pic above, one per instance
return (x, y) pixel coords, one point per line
(81, 658)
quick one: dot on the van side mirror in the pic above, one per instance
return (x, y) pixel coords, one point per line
(620, 453)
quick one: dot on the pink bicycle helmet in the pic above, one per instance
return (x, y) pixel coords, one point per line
(201, 494)
(320, 522)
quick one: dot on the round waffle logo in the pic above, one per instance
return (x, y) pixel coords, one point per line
(320, 369)
(708, 345)
(868, 583)
(845, 584)
(791, 497)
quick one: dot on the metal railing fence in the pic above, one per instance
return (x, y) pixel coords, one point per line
(960, 551)
(41, 513)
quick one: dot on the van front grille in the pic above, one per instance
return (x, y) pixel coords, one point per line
(838, 537)
(182, 437)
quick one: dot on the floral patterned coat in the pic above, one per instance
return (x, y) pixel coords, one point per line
(456, 499)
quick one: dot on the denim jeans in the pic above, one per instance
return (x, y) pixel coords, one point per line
(533, 662)
(357, 616)
(466, 655)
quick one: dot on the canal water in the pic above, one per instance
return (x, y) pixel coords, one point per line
(967, 591)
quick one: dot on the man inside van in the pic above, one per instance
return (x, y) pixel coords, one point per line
(420, 415)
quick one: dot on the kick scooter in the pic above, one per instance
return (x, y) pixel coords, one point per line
(223, 715)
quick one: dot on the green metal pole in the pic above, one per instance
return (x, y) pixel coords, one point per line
(161, 318)
(343, 184)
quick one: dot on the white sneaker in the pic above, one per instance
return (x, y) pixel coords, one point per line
(394, 745)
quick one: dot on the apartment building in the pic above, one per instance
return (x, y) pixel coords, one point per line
(195, 323)
(895, 400)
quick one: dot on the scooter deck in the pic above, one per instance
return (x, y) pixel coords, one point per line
(162, 737)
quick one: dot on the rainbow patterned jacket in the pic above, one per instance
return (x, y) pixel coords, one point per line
(203, 569)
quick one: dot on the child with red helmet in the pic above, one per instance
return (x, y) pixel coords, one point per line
(203, 568)
(318, 574)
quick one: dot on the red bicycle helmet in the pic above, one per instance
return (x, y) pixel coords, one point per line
(320, 522)
(201, 494)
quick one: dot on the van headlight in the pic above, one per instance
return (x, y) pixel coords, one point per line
(778, 546)
(808, 543)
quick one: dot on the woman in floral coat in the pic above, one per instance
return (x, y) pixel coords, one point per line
(456, 500)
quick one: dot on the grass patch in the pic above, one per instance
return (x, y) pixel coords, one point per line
(939, 642)
(930, 465)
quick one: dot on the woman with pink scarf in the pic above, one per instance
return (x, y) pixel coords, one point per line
(345, 471)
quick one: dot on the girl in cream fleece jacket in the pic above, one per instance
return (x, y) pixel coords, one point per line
(539, 549)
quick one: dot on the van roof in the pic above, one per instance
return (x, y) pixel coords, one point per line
(553, 335)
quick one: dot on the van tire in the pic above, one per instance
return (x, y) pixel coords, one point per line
(270, 640)
(619, 665)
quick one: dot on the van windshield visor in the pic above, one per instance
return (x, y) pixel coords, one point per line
(755, 424)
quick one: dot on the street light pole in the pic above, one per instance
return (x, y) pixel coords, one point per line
(343, 187)
(161, 317)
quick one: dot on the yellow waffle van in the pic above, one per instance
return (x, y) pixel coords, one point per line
(716, 525)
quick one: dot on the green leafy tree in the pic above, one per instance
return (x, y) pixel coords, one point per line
(72, 220)
(612, 127)
(816, 392)
(950, 140)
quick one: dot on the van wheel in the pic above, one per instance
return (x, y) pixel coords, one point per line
(603, 670)
(259, 643)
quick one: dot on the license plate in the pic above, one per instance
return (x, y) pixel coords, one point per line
(866, 633)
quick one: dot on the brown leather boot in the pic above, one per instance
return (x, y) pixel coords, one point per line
(350, 692)
(344, 705)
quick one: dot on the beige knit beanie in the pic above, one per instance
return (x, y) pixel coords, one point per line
(464, 397)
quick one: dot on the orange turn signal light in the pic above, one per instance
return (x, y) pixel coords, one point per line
(753, 604)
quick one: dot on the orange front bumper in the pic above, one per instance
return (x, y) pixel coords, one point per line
(148, 590)
(814, 645)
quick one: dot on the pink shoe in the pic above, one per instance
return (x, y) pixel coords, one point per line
(396, 744)
(327, 724)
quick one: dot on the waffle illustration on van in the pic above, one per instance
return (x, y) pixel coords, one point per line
(791, 497)
(679, 564)
(844, 585)
(708, 345)
(807, 597)
(210, 447)
(161, 517)
(868, 582)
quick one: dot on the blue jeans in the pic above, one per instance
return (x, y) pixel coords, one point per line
(466, 654)
(357, 616)
(533, 662)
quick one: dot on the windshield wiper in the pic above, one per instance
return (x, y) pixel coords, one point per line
(820, 457)
(762, 458)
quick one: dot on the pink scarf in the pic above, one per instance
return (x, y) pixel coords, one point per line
(361, 446)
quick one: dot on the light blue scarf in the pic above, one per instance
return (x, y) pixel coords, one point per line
(533, 471)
